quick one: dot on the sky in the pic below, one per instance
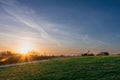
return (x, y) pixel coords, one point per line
(60, 25)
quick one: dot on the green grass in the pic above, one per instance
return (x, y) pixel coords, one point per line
(77, 68)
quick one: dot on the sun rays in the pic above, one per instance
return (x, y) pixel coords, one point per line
(25, 48)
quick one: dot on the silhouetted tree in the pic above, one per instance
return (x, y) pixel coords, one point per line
(91, 54)
(6, 53)
(87, 54)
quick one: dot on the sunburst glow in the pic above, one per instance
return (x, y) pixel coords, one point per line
(25, 49)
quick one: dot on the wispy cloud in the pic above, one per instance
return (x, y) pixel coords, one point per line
(25, 15)
(22, 22)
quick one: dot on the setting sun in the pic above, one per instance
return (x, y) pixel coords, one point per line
(25, 49)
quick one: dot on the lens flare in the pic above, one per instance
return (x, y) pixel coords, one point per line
(25, 49)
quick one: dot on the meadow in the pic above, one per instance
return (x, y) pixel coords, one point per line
(74, 68)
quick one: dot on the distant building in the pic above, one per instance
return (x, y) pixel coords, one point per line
(103, 54)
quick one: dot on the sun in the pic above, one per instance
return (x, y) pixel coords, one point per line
(25, 49)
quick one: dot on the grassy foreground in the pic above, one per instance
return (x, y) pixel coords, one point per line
(77, 68)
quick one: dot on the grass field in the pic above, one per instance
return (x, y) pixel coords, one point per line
(76, 68)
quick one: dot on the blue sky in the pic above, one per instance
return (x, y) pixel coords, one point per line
(60, 24)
